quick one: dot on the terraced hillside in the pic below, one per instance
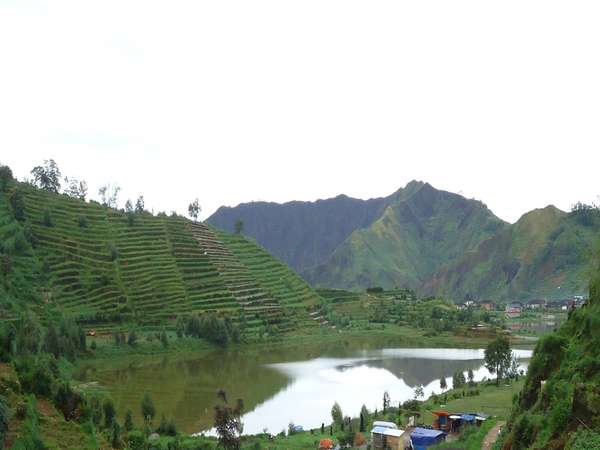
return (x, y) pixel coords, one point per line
(106, 267)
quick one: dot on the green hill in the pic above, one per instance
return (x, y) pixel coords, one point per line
(105, 267)
(303, 234)
(544, 254)
(559, 406)
(422, 229)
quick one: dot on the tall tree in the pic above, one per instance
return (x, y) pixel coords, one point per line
(498, 357)
(228, 423)
(147, 408)
(128, 424)
(75, 188)
(140, 205)
(239, 226)
(194, 210)
(109, 195)
(6, 178)
(109, 412)
(386, 401)
(47, 176)
(419, 392)
(443, 384)
(336, 414)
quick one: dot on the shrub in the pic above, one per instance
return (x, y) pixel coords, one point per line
(47, 218)
(82, 222)
(136, 440)
(585, 440)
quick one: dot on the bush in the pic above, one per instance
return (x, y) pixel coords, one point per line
(136, 440)
(47, 218)
(82, 222)
(585, 440)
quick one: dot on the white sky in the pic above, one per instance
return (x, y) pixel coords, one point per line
(233, 101)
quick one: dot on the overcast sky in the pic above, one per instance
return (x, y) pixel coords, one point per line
(233, 101)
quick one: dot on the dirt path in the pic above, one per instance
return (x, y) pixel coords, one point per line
(492, 436)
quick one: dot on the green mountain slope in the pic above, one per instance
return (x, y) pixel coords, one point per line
(105, 267)
(420, 230)
(433, 241)
(544, 254)
(559, 406)
(303, 234)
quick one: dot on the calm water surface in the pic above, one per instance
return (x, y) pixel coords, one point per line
(295, 384)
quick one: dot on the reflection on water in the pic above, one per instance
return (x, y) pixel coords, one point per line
(286, 385)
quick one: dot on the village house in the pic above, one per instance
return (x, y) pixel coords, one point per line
(514, 310)
(487, 306)
(536, 304)
(386, 435)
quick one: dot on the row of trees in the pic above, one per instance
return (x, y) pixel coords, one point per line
(215, 329)
(48, 177)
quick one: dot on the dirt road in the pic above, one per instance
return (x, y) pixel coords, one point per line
(492, 436)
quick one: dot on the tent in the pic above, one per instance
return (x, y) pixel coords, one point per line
(421, 438)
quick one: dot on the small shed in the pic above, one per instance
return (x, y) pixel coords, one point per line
(422, 438)
(442, 422)
(387, 438)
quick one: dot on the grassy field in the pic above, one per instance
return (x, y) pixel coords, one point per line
(493, 400)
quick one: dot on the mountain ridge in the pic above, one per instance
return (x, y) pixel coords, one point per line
(434, 241)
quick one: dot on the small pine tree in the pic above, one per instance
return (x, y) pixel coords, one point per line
(128, 424)
(110, 413)
(132, 338)
(115, 435)
(147, 408)
(443, 384)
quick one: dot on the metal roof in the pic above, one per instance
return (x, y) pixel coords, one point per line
(381, 423)
(387, 431)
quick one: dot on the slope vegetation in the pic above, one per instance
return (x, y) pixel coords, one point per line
(422, 238)
(559, 406)
(105, 267)
(544, 254)
(420, 230)
(303, 234)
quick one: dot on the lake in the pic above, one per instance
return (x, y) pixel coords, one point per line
(280, 385)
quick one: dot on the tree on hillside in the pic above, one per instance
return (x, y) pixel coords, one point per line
(386, 401)
(471, 376)
(140, 205)
(239, 226)
(336, 414)
(419, 392)
(128, 423)
(458, 379)
(110, 413)
(6, 178)
(4, 419)
(48, 176)
(17, 202)
(443, 384)
(194, 209)
(147, 408)
(228, 423)
(498, 357)
(75, 188)
(109, 195)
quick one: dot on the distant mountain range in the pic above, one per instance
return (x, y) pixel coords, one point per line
(433, 241)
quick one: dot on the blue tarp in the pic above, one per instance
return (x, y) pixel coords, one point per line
(422, 438)
(468, 418)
